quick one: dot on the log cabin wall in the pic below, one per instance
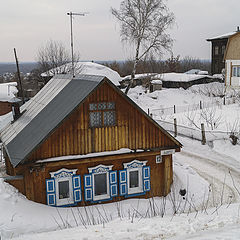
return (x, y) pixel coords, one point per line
(5, 107)
(161, 174)
(74, 136)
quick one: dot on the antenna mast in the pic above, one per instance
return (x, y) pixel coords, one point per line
(19, 77)
(71, 14)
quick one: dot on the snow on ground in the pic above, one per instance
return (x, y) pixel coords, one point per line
(8, 91)
(210, 174)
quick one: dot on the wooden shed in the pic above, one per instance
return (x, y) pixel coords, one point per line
(232, 59)
(82, 141)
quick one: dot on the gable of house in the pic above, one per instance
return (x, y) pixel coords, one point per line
(130, 128)
(233, 48)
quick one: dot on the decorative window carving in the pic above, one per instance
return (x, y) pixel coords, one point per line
(63, 188)
(102, 114)
(135, 178)
(100, 183)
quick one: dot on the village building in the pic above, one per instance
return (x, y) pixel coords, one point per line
(143, 79)
(232, 59)
(184, 80)
(219, 45)
(8, 93)
(82, 141)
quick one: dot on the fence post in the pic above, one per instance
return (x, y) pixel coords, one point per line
(203, 134)
(200, 104)
(174, 109)
(224, 101)
(175, 127)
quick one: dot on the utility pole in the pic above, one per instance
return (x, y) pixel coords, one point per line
(19, 77)
(71, 14)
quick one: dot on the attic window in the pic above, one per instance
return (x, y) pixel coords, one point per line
(102, 114)
(216, 49)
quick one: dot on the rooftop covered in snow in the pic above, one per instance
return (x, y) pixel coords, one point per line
(226, 35)
(8, 91)
(87, 68)
(179, 77)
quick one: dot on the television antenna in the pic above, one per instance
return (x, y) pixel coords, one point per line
(71, 14)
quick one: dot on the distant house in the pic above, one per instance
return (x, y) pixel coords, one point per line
(82, 141)
(183, 80)
(219, 44)
(8, 93)
(142, 79)
(232, 58)
(88, 68)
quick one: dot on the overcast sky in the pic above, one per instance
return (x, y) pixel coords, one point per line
(29, 24)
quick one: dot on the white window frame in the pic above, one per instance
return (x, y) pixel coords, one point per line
(99, 170)
(61, 176)
(235, 69)
(135, 165)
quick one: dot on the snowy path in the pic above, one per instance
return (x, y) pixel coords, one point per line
(220, 170)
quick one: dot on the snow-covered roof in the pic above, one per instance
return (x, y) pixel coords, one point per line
(157, 81)
(179, 77)
(139, 76)
(226, 35)
(8, 91)
(87, 68)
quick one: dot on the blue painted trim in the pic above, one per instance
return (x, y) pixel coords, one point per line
(135, 194)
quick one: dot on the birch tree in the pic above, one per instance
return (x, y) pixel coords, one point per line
(144, 23)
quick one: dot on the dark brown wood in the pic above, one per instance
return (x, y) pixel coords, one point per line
(5, 107)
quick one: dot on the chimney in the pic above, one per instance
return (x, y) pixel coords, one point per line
(238, 29)
(16, 110)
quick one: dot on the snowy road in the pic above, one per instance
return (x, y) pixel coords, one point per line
(221, 171)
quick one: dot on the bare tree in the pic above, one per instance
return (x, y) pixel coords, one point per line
(144, 23)
(53, 58)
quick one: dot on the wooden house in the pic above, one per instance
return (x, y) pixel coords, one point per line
(82, 141)
(219, 44)
(7, 97)
(232, 59)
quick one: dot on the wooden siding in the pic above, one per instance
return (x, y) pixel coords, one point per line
(35, 176)
(233, 48)
(74, 136)
(5, 107)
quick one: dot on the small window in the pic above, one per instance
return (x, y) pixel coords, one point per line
(63, 188)
(102, 114)
(135, 178)
(100, 183)
(236, 71)
(223, 49)
(216, 50)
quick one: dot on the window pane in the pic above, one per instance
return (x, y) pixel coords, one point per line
(109, 118)
(63, 189)
(100, 184)
(133, 175)
(102, 106)
(110, 105)
(95, 119)
(238, 71)
(93, 106)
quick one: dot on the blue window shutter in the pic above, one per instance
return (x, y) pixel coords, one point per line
(77, 195)
(50, 192)
(88, 187)
(113, 183)
(146, 179)
(123, 182)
